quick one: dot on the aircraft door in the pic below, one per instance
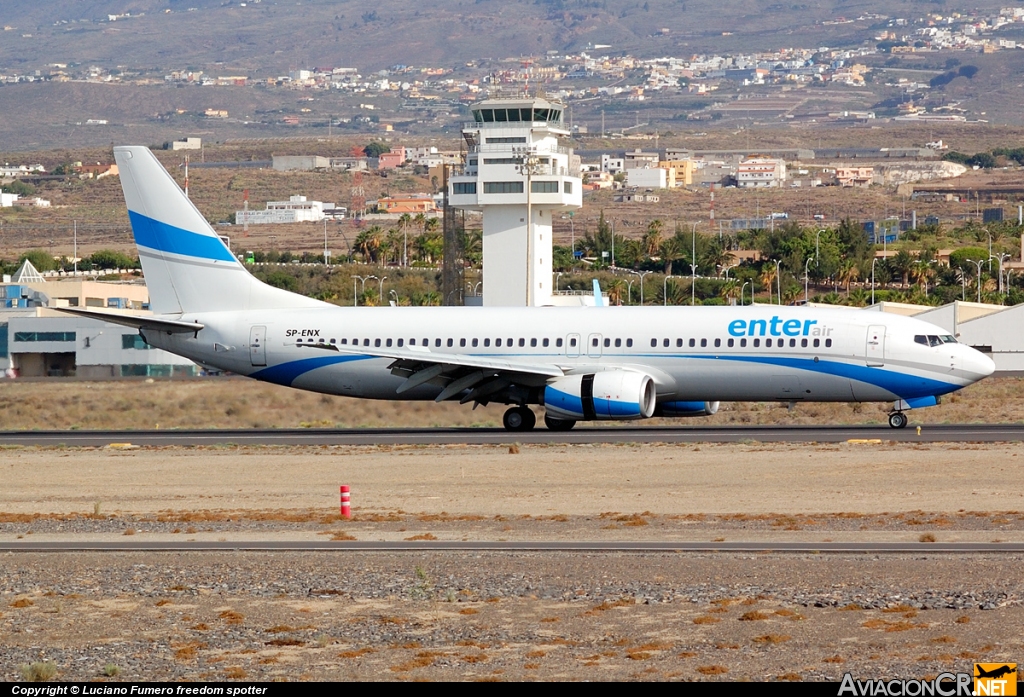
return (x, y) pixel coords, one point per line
(257, 346)
(572, 346)
(875, 347)
(594, 346)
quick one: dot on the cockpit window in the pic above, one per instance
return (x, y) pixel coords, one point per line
(948, 339)
(921, 339)
(934, 340)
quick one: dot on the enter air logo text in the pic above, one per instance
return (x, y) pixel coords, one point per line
(776, 326)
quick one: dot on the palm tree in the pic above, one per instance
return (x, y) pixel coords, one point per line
(403, 224)
(848, 272)
(651, 242)
(368, 243)
(768, 274)
(616, 289)
(671, 251)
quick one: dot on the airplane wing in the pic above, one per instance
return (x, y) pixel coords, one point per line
(137, 321)
(458, 372)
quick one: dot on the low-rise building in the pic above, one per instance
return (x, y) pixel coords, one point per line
(414, 203)
(682, 171)
(187, 144)
(855, 176)
(295, 210)
(757, 171)
(300, 163)
(393, 159)
(651, 178)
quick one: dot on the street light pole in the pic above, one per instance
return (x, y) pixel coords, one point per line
(807, 265)
(693, 265)
(641, 274)
(873, 280)
(778, 278)
(979, 264)
(664, 289)
(380, 292)
(743, 288)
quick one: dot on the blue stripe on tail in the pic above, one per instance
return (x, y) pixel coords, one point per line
(175, 240)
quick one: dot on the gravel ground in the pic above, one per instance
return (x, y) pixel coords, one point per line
(511, 616)
(507, 616)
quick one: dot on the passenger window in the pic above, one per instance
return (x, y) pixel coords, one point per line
(366, 342)
(545, 343)
(731, 342)
(679, 343)
(607, 342)
(768, 343)
(629, 343)
(522, 342)
(743, 343)
(344, 341)
(401, 342)
(462, 342)
(426, 342)
(618, 343)
(508, 342)
(654, 343)
(412, 342)
(665, 343)
(376, 342)
(703, 343)
(693, 342)
(476, 342)
(803, 343)
(817, 343)
(558, 342)
(487, 342)
(828, 343)
(334, 341)
(757, 343)
(437, 342)
(451, 342)
(388, 343)
(572, 342)
(594, 342)
(718, 343)
(497, 342)
(792, 343)
(533, 343)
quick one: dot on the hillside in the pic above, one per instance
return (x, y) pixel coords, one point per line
(269, 38)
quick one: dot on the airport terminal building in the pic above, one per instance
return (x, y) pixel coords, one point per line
(36, 340)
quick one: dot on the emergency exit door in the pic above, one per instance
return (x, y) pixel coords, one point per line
(875, 348)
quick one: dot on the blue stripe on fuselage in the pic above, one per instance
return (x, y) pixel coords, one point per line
(162, 237)
(286, 373)
(906, 386)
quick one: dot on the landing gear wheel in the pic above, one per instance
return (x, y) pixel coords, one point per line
(898, 419)
(519, 419)
(558, 424)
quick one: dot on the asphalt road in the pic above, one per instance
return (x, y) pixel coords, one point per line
(953, 433)
(461, 546)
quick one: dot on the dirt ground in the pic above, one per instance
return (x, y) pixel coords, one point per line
(513, 616)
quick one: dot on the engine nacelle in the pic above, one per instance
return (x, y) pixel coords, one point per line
(681, 409)
(610, 394)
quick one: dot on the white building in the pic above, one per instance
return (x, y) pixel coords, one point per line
(519, 176)
(755, 172)
(295, 210)
(187, 144)
(649, 178)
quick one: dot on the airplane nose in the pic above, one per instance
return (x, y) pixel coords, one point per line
(977, 364)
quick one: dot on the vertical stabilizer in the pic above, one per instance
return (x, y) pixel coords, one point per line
(188, 268)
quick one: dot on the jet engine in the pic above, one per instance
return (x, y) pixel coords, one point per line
(611, 394)
(680, 409)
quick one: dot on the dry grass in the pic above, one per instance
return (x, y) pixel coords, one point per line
(188, 651)
(927, 537)
(754, 615)
(357, 653)
(232, 617)
(706, 619)
(235, 673)
(597, 609)
(423, 536)
(771, 639)
(22, 602)
(241, 403)
(712, 670)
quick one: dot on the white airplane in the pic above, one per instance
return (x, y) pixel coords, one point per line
(587, 363)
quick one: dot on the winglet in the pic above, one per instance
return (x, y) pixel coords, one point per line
(598, 298)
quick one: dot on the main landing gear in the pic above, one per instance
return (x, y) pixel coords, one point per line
(519, 419)
(898, 419)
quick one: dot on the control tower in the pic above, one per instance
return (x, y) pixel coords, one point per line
(518, 175)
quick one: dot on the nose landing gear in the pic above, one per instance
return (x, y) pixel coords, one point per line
(898, 419)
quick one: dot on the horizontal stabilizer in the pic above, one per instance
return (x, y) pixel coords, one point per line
(137, 321)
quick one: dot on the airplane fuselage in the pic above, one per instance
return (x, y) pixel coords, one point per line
(749, 353)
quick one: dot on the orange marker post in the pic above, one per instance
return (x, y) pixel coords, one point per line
(346, 507)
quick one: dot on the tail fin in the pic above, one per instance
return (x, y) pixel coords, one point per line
(188, 268)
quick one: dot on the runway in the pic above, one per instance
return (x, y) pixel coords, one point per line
(929, 433)
(930, 548)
